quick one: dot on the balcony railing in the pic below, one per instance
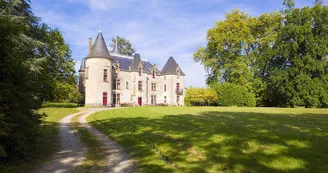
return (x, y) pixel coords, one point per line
(179, 91)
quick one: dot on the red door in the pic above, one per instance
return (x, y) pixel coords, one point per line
(104, 98)
(140, 101)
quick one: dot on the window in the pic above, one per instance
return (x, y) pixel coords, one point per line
(164, 77)
(127, 85)
(164, 99)
(178, 100)
(153, 99)
(153, 86)
(154, 75)
(139, 85)
(164, 88)
(116, 99)
(140, 71)
(178, 86)
(116, 84)
(178, 73)
(105, 75)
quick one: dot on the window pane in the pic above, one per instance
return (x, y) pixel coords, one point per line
(140, 85)
(118, 84)
(105, 75)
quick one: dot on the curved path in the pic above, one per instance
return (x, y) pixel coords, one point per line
(71, 152)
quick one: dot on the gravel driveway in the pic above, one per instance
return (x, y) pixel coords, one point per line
(71, 153)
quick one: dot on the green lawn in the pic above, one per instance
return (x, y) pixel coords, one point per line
(217, 139)
(48, 143)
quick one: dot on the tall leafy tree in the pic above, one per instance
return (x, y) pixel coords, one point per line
(289, 4)
(297, 73)
(318, 2)
(57, 72)
(124, 45)
(19, 122)
(35, 63)
(234, 52)
(226, 56)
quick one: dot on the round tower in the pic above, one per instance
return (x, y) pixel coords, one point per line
(98, 73)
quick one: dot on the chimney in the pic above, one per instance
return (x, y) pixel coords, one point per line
(90, 45)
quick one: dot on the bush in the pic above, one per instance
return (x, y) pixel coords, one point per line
(162, 104)
(234, 95)
(200, 97)
(127, 104)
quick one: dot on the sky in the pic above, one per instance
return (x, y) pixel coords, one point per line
(157, 29)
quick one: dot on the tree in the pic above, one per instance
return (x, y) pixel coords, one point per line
(35, 61)
(124, 45)
(298, 66)
(234, 49)
(226, 56)
(288, 6)
(57, 68)
(318, 2)
(19, 122)
(282, 59)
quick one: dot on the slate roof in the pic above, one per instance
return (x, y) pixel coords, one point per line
(99, 48)
(82, 67)
(135, 62)
(171, 67)
(125, 63)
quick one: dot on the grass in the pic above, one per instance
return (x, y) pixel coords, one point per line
(95, 158)
(218, 139)
(60, 105)
(47, 144)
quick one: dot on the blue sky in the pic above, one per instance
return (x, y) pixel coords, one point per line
(157, 29)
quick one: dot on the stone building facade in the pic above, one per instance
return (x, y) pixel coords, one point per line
(112, 79)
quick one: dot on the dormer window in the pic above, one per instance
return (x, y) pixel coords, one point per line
(117, 67)
(140, 71)
(178, 73)
(153, 71)
(154, 74)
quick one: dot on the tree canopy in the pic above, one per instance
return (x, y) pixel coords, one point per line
(124, 45)
(35, 63)
(282, 59)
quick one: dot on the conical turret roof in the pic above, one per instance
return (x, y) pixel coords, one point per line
(171, 67)
(82, 67)
(99, 48)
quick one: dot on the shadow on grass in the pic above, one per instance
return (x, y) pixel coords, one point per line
(224, 141)
(46, 146)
